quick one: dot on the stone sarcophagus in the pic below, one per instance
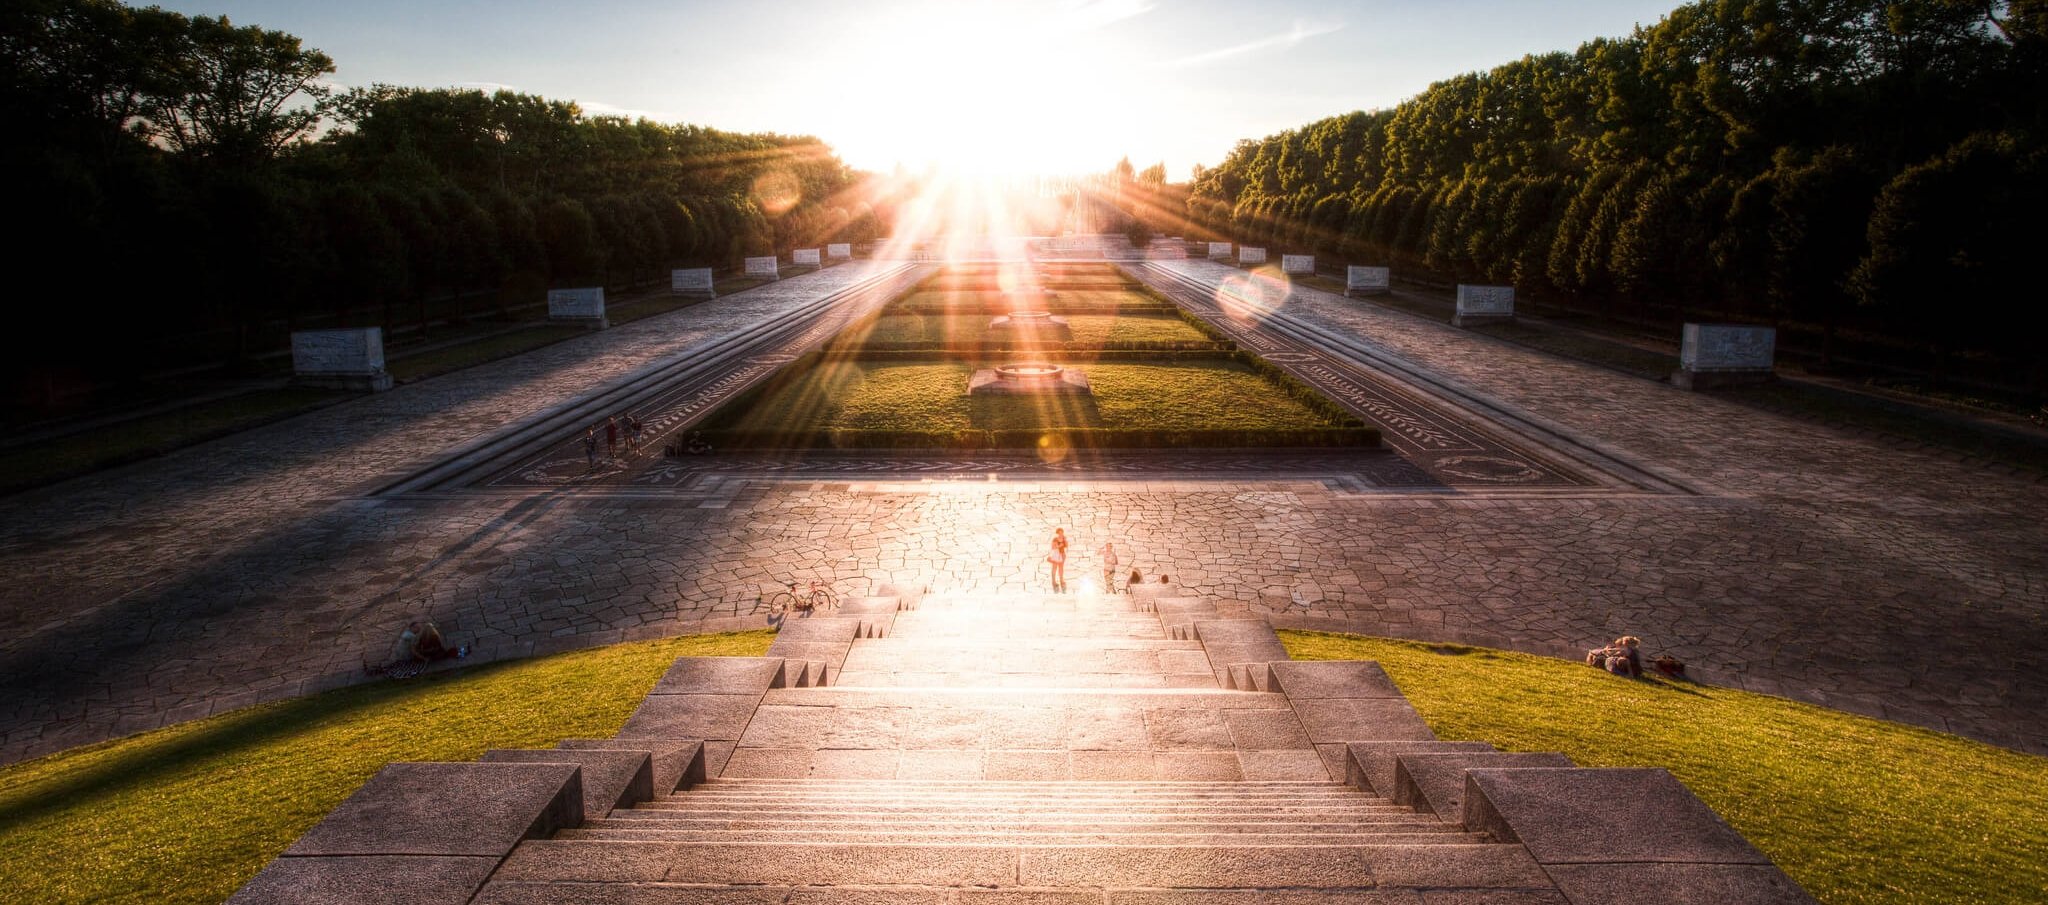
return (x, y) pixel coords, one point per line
(695, 281)
(340, 359)
(578, 306)
(1480, 304)
(1368, 280)
(1724, 354)
(1298, 265)
(1251, 255)
(763, 267)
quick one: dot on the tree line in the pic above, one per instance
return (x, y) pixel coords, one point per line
(189, 177)
(1875, 165)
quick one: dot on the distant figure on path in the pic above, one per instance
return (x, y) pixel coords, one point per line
(1058, 558)
(633, 430)
(1109, 563)
(611, 438)
(590, 446)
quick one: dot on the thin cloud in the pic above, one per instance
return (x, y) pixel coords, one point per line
(1301, 31)
(600, 108)
(1098, 13)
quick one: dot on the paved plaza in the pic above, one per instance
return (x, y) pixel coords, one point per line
(1769, 553)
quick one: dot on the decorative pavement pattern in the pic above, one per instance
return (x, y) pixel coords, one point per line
(1825, 565)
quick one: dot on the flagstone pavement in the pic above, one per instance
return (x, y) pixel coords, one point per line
(1839, 568)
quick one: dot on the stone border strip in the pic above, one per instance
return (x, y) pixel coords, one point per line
(1540, 433)
(486, 455)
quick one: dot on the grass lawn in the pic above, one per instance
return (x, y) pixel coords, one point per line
(994, 302)
(1857, 810)
(42, 463)
(470, 354)
(917, 396)
(189, 813)
(968, 329)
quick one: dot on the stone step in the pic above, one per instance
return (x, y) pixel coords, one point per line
(1452, 866)
(1037, 815)
(1020, 646)
(1409, 823)
(1073, 802)
(724, 790)
(971, 796)
(1030, 787)
(1072, 679)
(1079, 836)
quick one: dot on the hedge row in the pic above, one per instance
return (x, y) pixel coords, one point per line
(1053, 305)
(1085, 438)
(1133, 350)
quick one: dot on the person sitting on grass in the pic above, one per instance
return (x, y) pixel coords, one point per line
(421, 643)
(1620, 658)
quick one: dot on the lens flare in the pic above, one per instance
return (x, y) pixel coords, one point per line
(1252, 297)
(776, 191)
(1053, 449)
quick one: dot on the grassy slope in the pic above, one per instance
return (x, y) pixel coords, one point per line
(189, 813)
(1857, 810)
(879, 396)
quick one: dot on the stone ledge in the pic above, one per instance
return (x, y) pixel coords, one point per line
(1576, 816)
(1435, 781)
(359, 879)
(1320, 679)
(611, 778)
(1677, 884)
(719, 675)
(1370, 766)
(449, 809)
(703, 716)
(676, 763)
(1362, 720)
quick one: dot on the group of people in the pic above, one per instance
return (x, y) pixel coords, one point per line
(1106, 556)
(1624, 658)
(617, 429)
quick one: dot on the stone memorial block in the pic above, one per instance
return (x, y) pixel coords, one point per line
(696, 281)
(763, 267)
(805, 257)
(1298, 264)
(1219, 251)
(1483, 303)
(839, 251)
(584, 306)
(1725, 354)
(340, 359)
(1251, 255)
(1368, 280)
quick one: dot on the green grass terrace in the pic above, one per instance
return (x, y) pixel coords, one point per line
(1160, 378)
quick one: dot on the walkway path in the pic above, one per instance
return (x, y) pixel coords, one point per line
(1820, 565)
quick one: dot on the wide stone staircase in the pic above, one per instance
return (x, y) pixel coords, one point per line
(1027, 749)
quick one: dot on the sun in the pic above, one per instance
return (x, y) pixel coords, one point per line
(983, 90)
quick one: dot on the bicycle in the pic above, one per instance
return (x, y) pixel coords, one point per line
(801, 599)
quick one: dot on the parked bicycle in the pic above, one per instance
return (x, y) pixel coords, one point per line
(800, 598)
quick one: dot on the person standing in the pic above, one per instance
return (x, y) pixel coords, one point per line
(1109, 563)
(611, 438)
(1059, 555)
(590, 446)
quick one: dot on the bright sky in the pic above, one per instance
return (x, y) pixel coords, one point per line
(1014, 87)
